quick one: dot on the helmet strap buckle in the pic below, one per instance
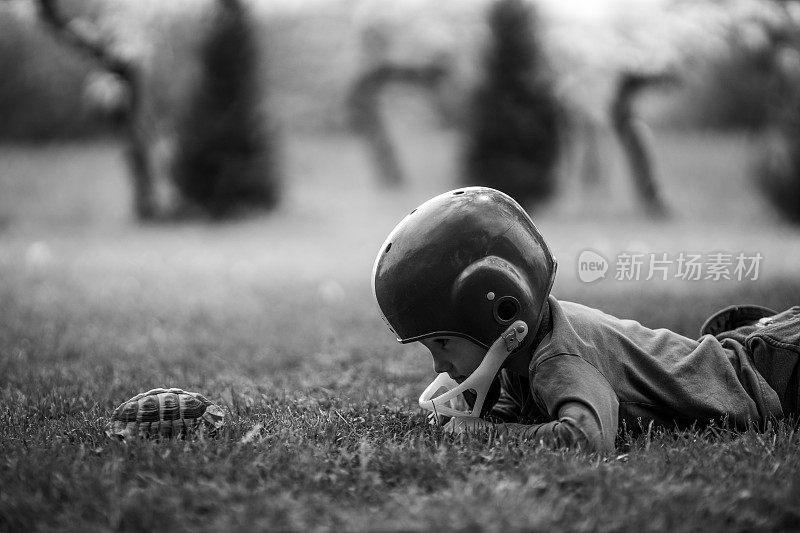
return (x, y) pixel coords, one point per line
(514, 335)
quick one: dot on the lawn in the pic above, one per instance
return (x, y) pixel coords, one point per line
(272, 318)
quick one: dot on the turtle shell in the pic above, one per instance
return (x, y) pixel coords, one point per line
(165, 413)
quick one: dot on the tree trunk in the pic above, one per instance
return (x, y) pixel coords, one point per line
(635, 137)
(82, 35)
(365, 115)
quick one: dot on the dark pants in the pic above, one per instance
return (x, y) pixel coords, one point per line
(772, 340)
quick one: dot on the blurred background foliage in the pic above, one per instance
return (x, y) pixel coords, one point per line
(49, 92)
(308, 54)
(42, 84)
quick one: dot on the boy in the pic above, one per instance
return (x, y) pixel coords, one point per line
(468, 275)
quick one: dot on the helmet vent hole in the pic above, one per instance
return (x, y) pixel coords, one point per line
(412, 212)
(458, 192)
(388, 247)
(506, 309)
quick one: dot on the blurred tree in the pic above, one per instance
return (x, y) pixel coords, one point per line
(778, 165)
(225, 158)
(83, 35)
(42, 84)
(512, 141)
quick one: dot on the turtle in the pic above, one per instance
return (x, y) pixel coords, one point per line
(165, 413)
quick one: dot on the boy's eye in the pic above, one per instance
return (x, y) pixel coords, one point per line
(442, 342)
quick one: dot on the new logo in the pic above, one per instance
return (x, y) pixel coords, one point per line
(591, 266)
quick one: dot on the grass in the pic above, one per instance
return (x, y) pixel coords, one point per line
(272, 318)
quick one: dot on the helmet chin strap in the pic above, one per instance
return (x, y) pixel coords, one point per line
(480, 380)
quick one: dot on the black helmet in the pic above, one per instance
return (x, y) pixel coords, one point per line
(466, 263)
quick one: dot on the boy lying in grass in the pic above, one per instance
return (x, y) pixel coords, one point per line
(468, 275)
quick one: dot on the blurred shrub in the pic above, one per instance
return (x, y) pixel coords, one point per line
(512, 138)
(777, 170)
(732, 92)
(777, 167)
(225, 148)
(42, 82)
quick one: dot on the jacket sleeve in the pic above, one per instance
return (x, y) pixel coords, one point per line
(575, 428)
(580, 402)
